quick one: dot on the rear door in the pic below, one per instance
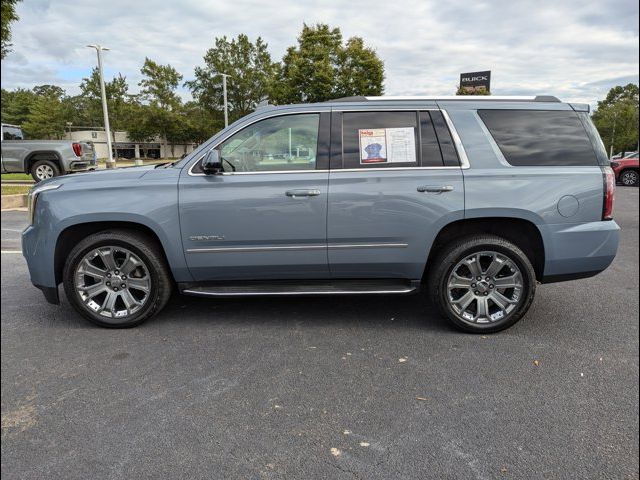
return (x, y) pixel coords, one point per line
(395, 181)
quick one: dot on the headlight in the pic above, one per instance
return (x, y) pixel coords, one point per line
(32, 198)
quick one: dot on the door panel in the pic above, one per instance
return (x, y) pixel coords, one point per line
(380, 225)
(246, 226)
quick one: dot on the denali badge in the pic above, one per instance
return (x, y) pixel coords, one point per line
(205, 238)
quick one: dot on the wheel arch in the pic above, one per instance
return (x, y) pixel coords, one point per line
(72, 234)
(33, 157)
(522, 232)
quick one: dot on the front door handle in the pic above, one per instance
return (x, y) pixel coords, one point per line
(303, 193)
(435, 189)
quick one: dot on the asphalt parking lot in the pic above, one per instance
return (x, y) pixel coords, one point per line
(365, 388)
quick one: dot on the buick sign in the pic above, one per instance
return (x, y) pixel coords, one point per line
(476, 80)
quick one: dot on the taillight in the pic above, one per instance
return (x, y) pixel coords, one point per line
(615, 164)
(77, 149)
(609, 193)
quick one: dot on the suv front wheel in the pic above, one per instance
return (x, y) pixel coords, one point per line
(117, 278)
(482, 283)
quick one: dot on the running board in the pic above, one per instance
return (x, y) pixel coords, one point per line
(301, 287)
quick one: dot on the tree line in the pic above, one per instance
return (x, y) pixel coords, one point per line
(320, 66)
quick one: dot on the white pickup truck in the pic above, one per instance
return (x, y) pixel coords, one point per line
(43, 158)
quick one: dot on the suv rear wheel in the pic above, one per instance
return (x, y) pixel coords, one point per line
(482, 283)
(43, 169)
(117, 278)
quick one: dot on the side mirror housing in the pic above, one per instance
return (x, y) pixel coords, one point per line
(212, 163)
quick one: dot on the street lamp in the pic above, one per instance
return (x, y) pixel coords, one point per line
(224, 94)
(110, 162)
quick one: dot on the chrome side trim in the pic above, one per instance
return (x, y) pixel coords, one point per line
(335, 246)
(462, 154)
(256, 173)
(393, 169)
(310, 292)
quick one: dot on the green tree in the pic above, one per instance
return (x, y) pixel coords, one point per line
(117, 95)
(616, 118)
(250, 67)
(7, 16)
(16, 105)
(321, 68)
(159, 90)
(474, 91)
(47, 115)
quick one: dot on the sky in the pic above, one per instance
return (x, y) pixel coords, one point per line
(573, 49)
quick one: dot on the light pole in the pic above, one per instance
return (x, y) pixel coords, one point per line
(110, 162)
(613, 135)
(224, 94)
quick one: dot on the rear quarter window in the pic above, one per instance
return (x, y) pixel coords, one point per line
(534, 137)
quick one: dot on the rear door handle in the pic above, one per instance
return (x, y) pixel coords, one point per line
(303, 193)
(435, 189)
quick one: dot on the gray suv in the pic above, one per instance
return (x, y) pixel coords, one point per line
(473, 200)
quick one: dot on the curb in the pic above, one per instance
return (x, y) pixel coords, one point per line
(14, 201)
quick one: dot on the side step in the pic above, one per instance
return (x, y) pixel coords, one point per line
(301, 287)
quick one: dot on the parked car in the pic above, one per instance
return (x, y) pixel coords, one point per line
(43, 159)
(626, 169)
(470, 200)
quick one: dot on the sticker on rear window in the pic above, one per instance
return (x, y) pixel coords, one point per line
(387, 145)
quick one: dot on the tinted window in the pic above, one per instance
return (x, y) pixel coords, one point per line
(279, 143)
(530, 137)
(380, 139)
(431, 156)
(12, 133)
(449, 154)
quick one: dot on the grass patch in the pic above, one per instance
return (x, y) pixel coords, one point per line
(14, 189)
(16, 176)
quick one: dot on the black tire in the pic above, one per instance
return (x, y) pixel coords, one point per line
(629, 178)
(450, 256)
(147, 250)
(40, 166)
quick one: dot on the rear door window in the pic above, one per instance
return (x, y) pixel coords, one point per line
(534, 137)
(380, 140)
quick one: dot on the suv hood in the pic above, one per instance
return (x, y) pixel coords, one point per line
(116, 174)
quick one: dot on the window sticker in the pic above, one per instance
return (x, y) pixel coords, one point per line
(387, 145)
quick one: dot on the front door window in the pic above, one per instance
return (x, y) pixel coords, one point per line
(279, 143)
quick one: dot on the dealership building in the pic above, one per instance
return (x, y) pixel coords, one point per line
(123, 147)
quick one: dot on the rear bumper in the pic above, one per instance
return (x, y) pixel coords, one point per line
(578, 250)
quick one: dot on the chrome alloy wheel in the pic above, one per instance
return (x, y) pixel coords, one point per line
(112, 282)
(44, 171)
(484, 287)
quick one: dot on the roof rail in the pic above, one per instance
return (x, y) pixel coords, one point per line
(474, 98)
(356, 98)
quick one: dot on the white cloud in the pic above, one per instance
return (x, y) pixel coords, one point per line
(571, 49)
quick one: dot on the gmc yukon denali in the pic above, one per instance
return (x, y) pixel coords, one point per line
(473, 201)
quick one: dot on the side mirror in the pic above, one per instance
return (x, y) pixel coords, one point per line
(212, 163)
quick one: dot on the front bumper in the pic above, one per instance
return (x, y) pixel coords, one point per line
(39, 255)
(578, 250)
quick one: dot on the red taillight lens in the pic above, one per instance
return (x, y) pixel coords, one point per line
(609, 193)
(77, 149)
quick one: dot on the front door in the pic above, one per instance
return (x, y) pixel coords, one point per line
(395, 181)
(265, 216)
